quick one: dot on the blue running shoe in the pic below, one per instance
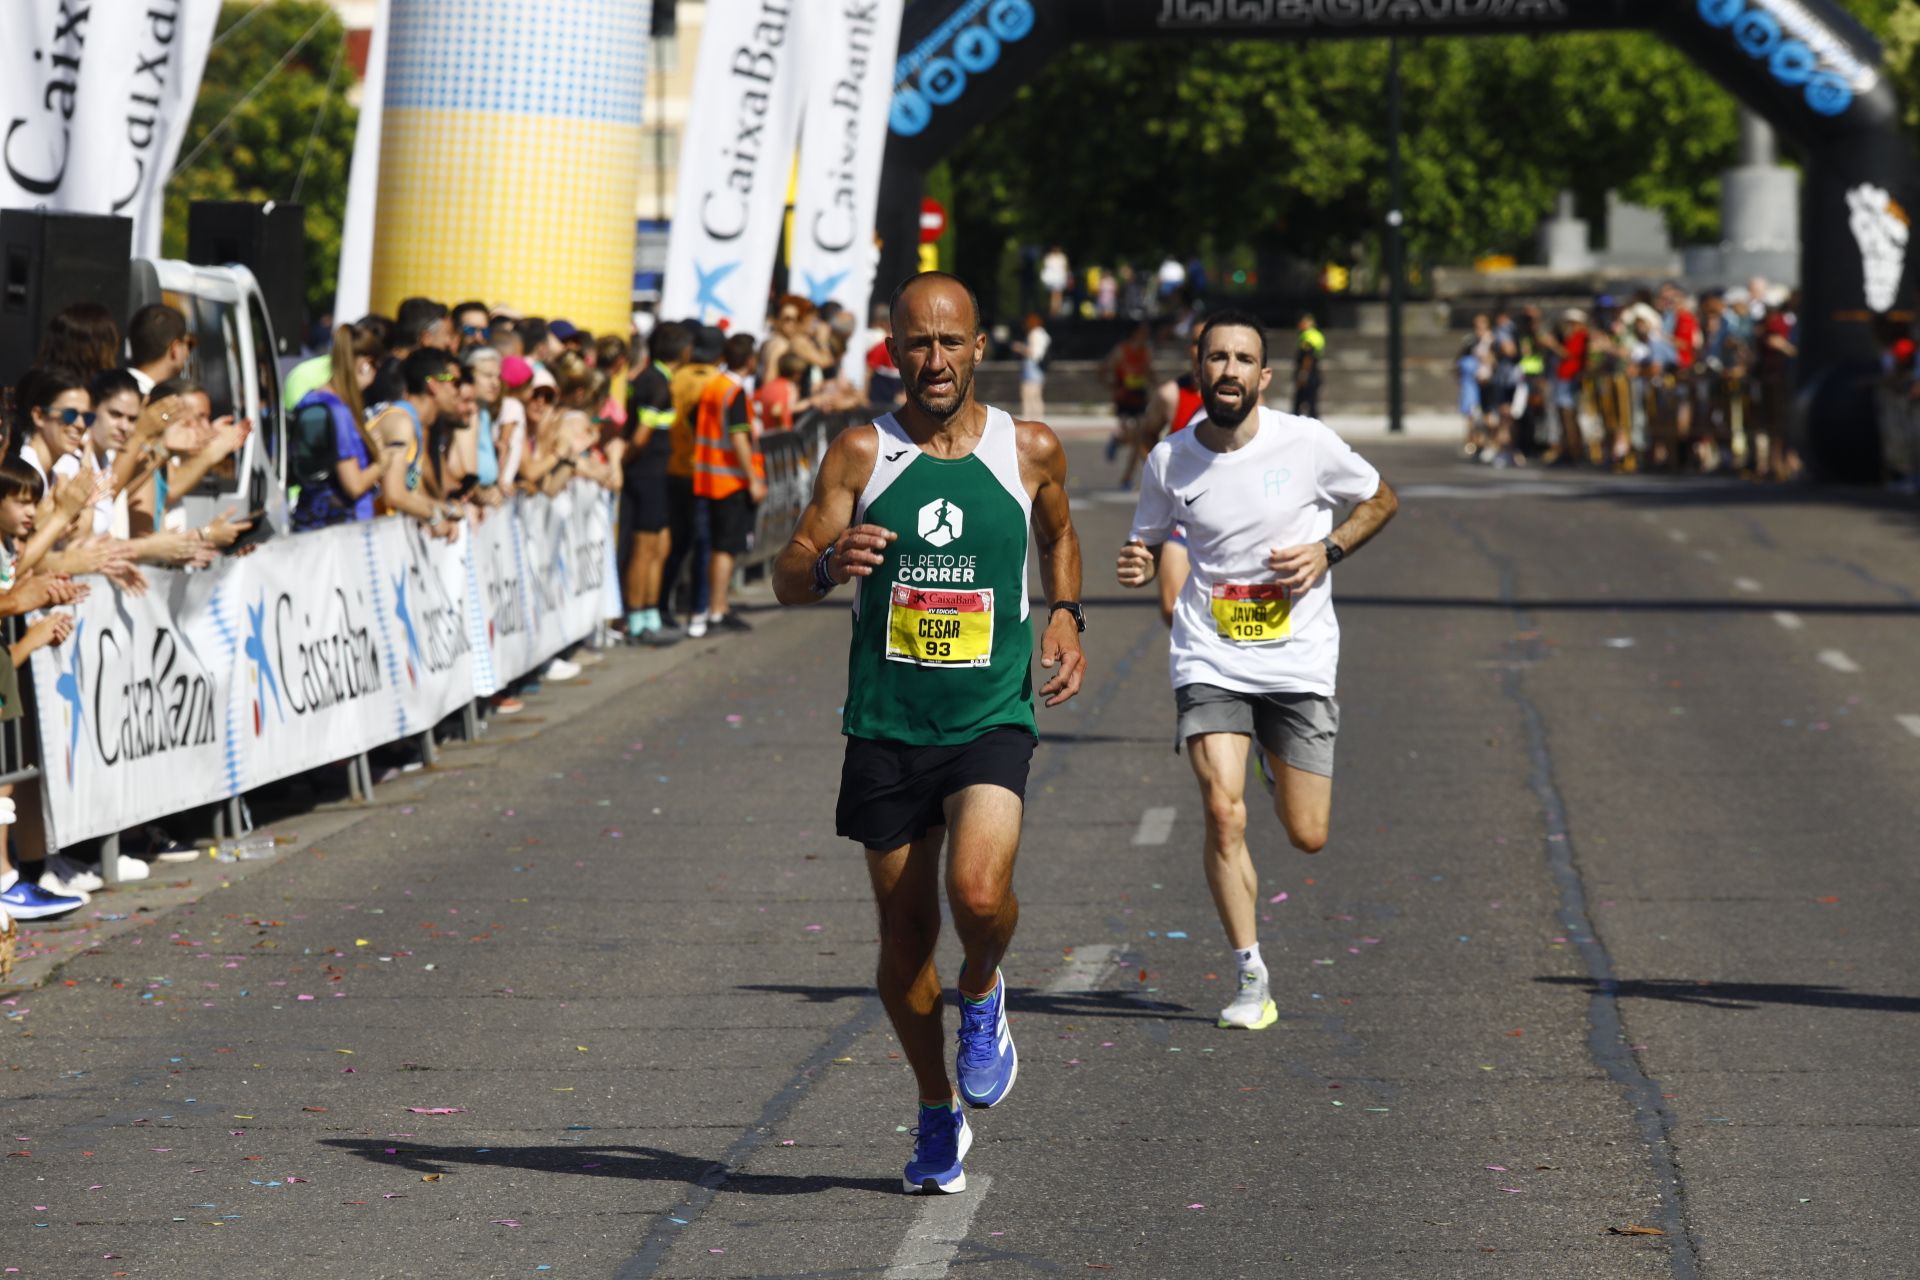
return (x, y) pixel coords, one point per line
(939, 1145)
(26, 901)
(987, 1061)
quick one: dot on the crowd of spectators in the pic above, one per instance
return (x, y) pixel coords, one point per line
(1660, 381)
(437, 414)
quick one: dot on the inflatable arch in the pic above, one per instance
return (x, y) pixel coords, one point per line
(1804, 65)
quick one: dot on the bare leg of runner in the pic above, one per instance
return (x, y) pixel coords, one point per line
(906, 887)
(1220, 764)
(984, 825)
(1304, 804)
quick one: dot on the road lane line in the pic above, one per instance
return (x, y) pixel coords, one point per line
(1085, 969)
(1909, 722)
(1679, 535)
(1791, 621)
(1747, 585)
(1838, 661)
(936, 1233)
(1155, 826)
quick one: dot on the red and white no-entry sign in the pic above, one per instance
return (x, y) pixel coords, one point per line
(933, 220)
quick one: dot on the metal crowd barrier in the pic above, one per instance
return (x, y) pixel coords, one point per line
(16, 761)
(792, 457)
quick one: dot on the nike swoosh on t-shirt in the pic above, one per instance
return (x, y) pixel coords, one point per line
(1196, 497)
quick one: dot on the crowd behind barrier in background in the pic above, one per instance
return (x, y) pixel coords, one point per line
(480, 501)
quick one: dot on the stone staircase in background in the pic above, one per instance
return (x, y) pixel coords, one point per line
(1354, 380)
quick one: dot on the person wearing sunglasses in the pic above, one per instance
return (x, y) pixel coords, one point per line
(472, 326)
(408, 485)
(56, 411)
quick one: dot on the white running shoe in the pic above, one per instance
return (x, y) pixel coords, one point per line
(1252, 1009)
(561, 669)
(696, 626)
(132, 868)
(72, 877)
(55, 884)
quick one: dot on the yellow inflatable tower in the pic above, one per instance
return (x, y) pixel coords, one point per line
(510, 154)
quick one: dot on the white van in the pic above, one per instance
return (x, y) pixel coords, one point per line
(234, 359)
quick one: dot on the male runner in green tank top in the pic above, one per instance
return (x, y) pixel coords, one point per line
(928, 513)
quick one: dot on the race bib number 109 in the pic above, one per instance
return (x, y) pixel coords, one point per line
(1252, 612)
(938, 628)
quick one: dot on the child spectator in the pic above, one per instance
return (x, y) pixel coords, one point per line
(776, 403)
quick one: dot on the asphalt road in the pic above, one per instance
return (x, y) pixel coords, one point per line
(1614, 933)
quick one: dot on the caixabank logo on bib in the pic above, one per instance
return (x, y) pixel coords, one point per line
(303, 666)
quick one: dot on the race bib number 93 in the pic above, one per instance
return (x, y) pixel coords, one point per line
(939, 628)
(1252, 612)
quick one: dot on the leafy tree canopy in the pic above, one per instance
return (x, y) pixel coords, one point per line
(1281, 146)
(294, 136)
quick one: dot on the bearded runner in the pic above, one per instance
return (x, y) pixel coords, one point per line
(1255, 645)
(929, 513)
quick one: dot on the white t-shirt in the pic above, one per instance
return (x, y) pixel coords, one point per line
(513, 426)
(1280, 490)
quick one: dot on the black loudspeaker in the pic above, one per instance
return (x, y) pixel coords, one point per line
(49, 261)
(269, 240)
(663, 18)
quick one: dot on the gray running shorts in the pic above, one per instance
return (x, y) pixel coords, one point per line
(1297, 727)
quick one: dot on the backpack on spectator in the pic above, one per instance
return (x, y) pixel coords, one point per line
(313, 438)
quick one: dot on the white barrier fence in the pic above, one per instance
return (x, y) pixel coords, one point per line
(311, 650)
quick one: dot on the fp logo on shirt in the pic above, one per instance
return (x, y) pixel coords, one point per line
(940, 522)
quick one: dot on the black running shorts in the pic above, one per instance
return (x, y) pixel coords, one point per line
(891, 793)
(731, 522)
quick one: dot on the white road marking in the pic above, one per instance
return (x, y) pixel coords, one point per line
(1678, 535)
(1747, 585)
(1155, 826)
(1711, 557)
(1085, 969)
(936, 1233)
(1791, 621)
(1838, 661)
(1909, 722)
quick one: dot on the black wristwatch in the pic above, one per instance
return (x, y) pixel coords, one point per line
(1335, 552)
(1072, 607)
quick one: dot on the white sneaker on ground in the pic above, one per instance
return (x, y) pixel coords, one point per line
(132, 868)
(1252, 1009)
(696, 626)
(561, 669)
(57, 885)
(72, 876)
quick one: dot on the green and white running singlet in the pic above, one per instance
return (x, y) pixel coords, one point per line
(942, 648)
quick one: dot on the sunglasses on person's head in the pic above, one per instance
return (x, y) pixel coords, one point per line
(81, 416)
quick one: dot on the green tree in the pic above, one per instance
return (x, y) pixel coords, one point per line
(1273, 145)
(288, 129)
(1282, 146)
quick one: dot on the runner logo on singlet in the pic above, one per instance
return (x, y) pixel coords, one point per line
(940, 522)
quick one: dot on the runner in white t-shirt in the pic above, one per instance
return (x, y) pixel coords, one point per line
(1255, 643)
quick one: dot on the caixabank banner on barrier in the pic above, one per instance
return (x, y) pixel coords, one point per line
(311, 650)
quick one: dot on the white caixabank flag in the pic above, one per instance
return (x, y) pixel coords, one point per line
(735, 159)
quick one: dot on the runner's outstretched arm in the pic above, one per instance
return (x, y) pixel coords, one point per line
(836, 490)
(1059, 546)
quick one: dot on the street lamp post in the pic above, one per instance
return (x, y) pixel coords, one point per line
(1396, 250)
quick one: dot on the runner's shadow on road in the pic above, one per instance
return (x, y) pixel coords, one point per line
(1742, 995)
(645, 1164)
(1077, 1004)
